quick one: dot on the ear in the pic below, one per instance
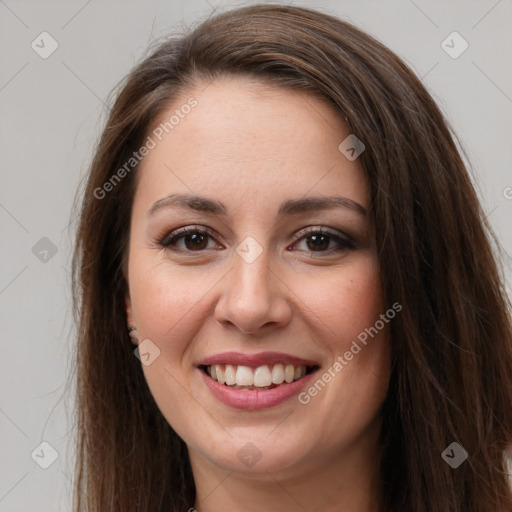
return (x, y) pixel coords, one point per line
(129, 311)
(130, 319)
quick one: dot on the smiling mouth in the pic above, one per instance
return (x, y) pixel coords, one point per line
(257, 378)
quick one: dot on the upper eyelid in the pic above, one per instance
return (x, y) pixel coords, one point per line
(299, 235)
(184, 231)
(321, 229)
(333, 233)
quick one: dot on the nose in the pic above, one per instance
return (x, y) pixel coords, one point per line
(253, 297)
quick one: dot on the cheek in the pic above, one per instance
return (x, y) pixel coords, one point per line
(344, 302)
(167, 307)
(352, 385)
(346, 315)
(166, 304)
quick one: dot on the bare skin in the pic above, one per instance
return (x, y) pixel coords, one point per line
(251, 147)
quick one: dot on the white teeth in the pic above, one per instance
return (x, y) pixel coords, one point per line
(230, 375)
(221, 374)
(244, 376)
(289, 373)
(262, 377)
(278, 374)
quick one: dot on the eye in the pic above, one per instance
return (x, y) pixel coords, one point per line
(323, 240)
(194, 239)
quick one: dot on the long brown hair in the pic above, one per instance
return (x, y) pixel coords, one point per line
(451, 375)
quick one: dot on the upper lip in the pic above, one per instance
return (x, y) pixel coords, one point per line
(260, 359)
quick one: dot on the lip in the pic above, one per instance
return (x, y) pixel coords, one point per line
(250, 400)
(254, 360)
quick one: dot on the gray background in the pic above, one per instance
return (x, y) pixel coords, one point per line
(52, 114)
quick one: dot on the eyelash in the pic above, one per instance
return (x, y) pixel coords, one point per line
(171, 238)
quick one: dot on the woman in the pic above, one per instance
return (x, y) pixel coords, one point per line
(278, 224)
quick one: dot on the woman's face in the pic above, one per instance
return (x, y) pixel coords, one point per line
(253, 290)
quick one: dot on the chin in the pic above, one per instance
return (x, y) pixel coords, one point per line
(254, 454)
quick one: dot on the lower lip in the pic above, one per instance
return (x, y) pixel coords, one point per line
(254, 399)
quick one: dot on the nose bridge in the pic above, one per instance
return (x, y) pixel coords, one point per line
(251, 272)
(252, 296)
(252, 277)
(252, 288)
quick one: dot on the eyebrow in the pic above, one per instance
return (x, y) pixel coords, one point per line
(288, 207)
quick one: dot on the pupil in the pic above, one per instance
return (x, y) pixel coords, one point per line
(319, 241)
(197, 240)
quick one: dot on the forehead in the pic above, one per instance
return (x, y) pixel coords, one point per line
(246, 137)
